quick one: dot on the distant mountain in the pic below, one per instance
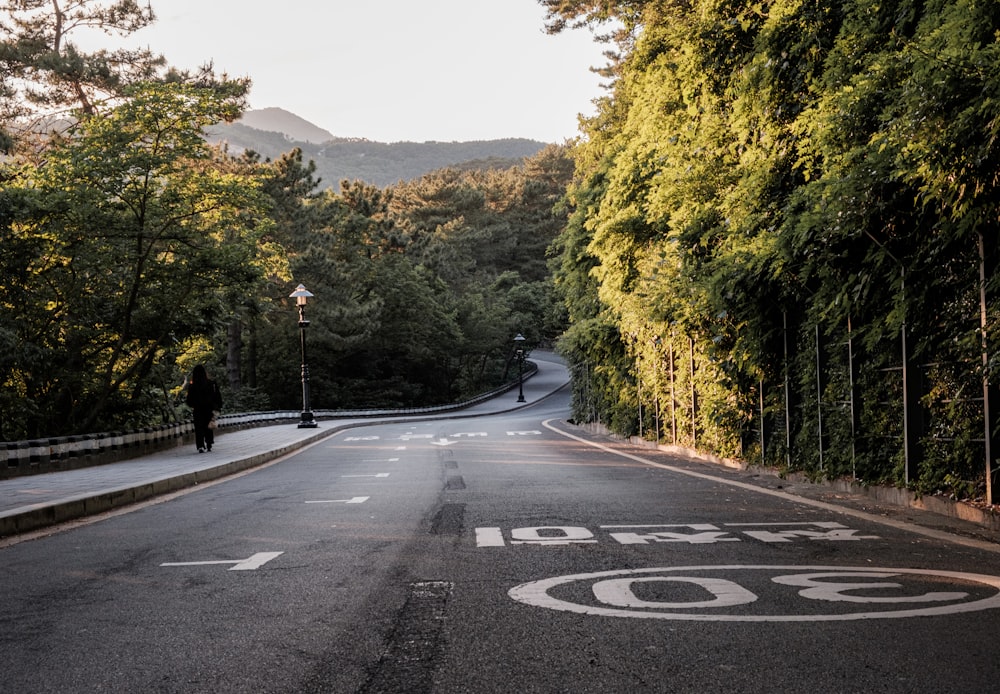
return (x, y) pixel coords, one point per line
(272, 132)
(279, 120)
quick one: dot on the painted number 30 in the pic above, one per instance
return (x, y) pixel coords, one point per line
(723, 593)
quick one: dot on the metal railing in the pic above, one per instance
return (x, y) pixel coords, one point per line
(42, 455)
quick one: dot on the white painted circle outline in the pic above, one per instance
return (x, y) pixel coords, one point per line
(535, 593)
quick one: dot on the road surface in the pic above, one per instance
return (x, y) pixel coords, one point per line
(506, 553)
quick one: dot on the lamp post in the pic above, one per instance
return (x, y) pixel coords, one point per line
(301, 296)
(519, 351)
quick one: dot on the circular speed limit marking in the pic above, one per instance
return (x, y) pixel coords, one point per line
(752, 593)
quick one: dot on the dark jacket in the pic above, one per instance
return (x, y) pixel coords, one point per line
(204, 396)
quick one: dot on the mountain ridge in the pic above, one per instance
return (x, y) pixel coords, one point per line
(274, 131)
(274, 119)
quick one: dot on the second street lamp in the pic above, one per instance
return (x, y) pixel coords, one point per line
(519, 342)
(301, 296)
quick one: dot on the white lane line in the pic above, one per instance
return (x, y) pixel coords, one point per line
(355, 500)
(254, 562)
(899, 525)
(489, 537)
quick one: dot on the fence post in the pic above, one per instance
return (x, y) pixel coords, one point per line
(694, 399)
(761, 393)
(673, 395)
(788, 394)
(911, 400)
(819, 396)
(990, 404)
(851, 395)
(638, 383)
(656, 387)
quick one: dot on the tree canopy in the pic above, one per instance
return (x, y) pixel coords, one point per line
(46, 77)
(772, 198)
(775, 239)
(132, 250)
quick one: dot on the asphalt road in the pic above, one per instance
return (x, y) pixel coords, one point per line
(510, 553)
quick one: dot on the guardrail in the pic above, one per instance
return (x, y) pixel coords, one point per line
(37, 456)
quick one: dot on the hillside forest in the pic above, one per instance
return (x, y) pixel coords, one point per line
(378, 163)
(784, 235)
(776, 240)
(132, 250)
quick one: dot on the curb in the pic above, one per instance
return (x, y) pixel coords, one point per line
(892, 496)
(100, 502)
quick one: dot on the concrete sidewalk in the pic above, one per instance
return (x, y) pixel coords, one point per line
(37, 501)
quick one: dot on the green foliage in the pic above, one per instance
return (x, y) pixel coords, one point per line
(138, 237)
(764, 176)
(44, 69)
(419, 287)
(132, 251)
(379, 163)
(45, 77)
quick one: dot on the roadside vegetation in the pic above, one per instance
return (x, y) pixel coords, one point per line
(781, 215)
(776, 240)
(132, 250)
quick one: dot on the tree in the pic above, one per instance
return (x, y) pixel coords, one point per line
(142, 241)
(45, 75)
(795, 187)
(290, 189)
(45, 70)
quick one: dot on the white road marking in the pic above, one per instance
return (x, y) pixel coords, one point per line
(380, 474)
(254, 562)
(489, 537)
(691, 533)
(355, 500)
(618, 592)
(551, 535)
(614, 596)
(899, 525)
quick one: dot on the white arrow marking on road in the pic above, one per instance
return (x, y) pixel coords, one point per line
(442, 442)
(255, 562)
(380, 474)
(355, 500)
(489, 537)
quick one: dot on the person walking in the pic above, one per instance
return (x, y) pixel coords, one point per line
(204, 398)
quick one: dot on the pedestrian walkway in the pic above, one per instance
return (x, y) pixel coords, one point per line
(37, 501)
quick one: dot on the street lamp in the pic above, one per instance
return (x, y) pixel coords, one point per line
(301, 296)
(519, 351)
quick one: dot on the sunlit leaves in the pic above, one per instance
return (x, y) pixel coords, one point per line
(788, 163)
(143, 237)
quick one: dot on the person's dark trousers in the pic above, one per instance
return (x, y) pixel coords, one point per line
(203, 436)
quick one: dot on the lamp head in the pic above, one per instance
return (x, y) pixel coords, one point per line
(301, 295)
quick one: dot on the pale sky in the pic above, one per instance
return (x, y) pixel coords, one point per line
(393, 70)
